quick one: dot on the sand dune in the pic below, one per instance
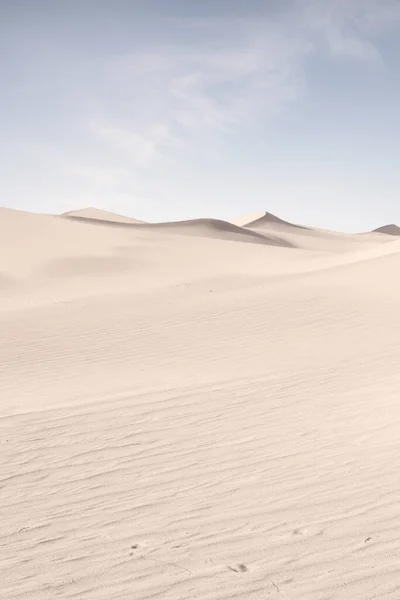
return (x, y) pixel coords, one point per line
(388, 229)
(187, 416)
(211, 228)
(28, 241)
(266, 219)
(243, 220)
(96, 214)
(214, 228)
(307, 238)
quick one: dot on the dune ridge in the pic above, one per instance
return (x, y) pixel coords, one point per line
(266, 219)
(187, 416)
(95, 214)
(219, 229)
(214, 228)
(390, 229)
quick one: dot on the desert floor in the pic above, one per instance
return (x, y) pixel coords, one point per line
(197, 410)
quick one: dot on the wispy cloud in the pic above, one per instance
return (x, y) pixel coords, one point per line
(349, 29)
(192, 91)
(184, 95)
(140, 148)
(107, 124)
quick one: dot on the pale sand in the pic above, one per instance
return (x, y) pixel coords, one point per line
(187, 416)
(98, 215)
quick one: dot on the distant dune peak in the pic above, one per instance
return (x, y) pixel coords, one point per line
(264, 218)
(390, 229)
(271, 218)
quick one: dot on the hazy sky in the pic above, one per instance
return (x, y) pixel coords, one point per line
(166, 109)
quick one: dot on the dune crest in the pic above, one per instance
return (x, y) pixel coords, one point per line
(267, 219)
(216, 228)
(390, 229)
(211, 228)
(96, 214)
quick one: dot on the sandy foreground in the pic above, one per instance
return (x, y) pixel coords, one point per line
(197, 410)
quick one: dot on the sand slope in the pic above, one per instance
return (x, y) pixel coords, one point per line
(96, 214)
(266, 219)
(208, 420)
(310, 238)
(388, 229)
(212, 228)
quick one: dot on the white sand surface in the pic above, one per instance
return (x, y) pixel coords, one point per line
(197, 411)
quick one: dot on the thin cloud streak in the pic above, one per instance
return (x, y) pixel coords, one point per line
(139, 112)
(202, 94)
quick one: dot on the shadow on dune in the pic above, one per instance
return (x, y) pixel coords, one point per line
(390, 229)
(270, 219)
(212, 228)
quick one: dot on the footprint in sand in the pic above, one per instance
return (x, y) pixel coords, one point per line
(134, 547)
(241, 568)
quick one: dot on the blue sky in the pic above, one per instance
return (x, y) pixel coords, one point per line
(168, 109)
